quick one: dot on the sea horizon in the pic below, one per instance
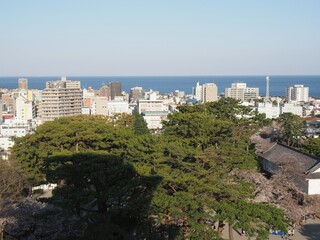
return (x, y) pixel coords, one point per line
(168, 84)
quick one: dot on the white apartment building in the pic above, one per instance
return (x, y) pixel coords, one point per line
(291, 108)
(297, 93)
(242, 92)
(61, 98)
(13, 131)
(150, 105)
(268, 109)
(24, 109)
(118, 105)
(154, 119)
(12, 128)
(5, 144)
(273, 111)
(153, 110)
(197, 91)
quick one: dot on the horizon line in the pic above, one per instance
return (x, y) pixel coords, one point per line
(191, 75)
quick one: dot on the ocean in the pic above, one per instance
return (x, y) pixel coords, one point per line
(167, 84)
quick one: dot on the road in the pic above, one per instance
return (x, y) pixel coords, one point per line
(308, 231)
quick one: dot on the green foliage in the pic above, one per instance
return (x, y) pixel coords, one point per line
(103, 186)
(255, 218)
(292, 129)
(140, 126)
(262, 120)
(224, 109)
(312, 146)
(68, 135)
(169, 186)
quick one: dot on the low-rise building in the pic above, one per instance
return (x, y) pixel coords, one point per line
(118, 105)
(268, 109)
(301, 168)
(154, 119)
(291, 108)
(150, 105)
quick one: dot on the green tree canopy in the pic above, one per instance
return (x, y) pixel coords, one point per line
(139, 124)
(292, 129)
(312, 146)
(181, 177)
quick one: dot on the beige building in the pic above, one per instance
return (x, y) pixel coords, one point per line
(150, 105)
(242, 92)
(101, 106)
(23, 84)
(209, 92)
(24, 109)
(61, 98)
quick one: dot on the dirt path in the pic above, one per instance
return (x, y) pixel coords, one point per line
(308, 231)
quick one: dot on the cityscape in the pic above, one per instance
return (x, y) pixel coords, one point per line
(24, 109)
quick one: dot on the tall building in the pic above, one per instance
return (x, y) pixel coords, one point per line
(101, 105)
(22, 84)
(61, 98)
(136, 93)
(197, 91)
(242, 92)
(1, 106)
(104, 91)
(115, 89)
(297, 93)
(24, 109)
(209, 92)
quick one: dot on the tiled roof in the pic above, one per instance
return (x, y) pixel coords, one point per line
(313, 176)
(295, 164)
(290, 158)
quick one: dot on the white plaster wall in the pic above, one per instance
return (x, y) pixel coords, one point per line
(269, 110)
(6, 143)
(291, 108)
(153, 122)
(314, 186)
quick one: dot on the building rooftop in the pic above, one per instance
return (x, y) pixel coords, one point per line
(297, 165)
(284, 155)
(155, 113)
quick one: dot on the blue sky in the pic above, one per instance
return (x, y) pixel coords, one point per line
(163, 37)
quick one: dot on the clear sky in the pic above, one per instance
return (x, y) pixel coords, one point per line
(159, 37)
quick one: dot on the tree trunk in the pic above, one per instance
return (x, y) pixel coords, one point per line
(185, 228)
(77, 143)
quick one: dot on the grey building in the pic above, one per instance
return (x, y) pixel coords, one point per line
(115, 89)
